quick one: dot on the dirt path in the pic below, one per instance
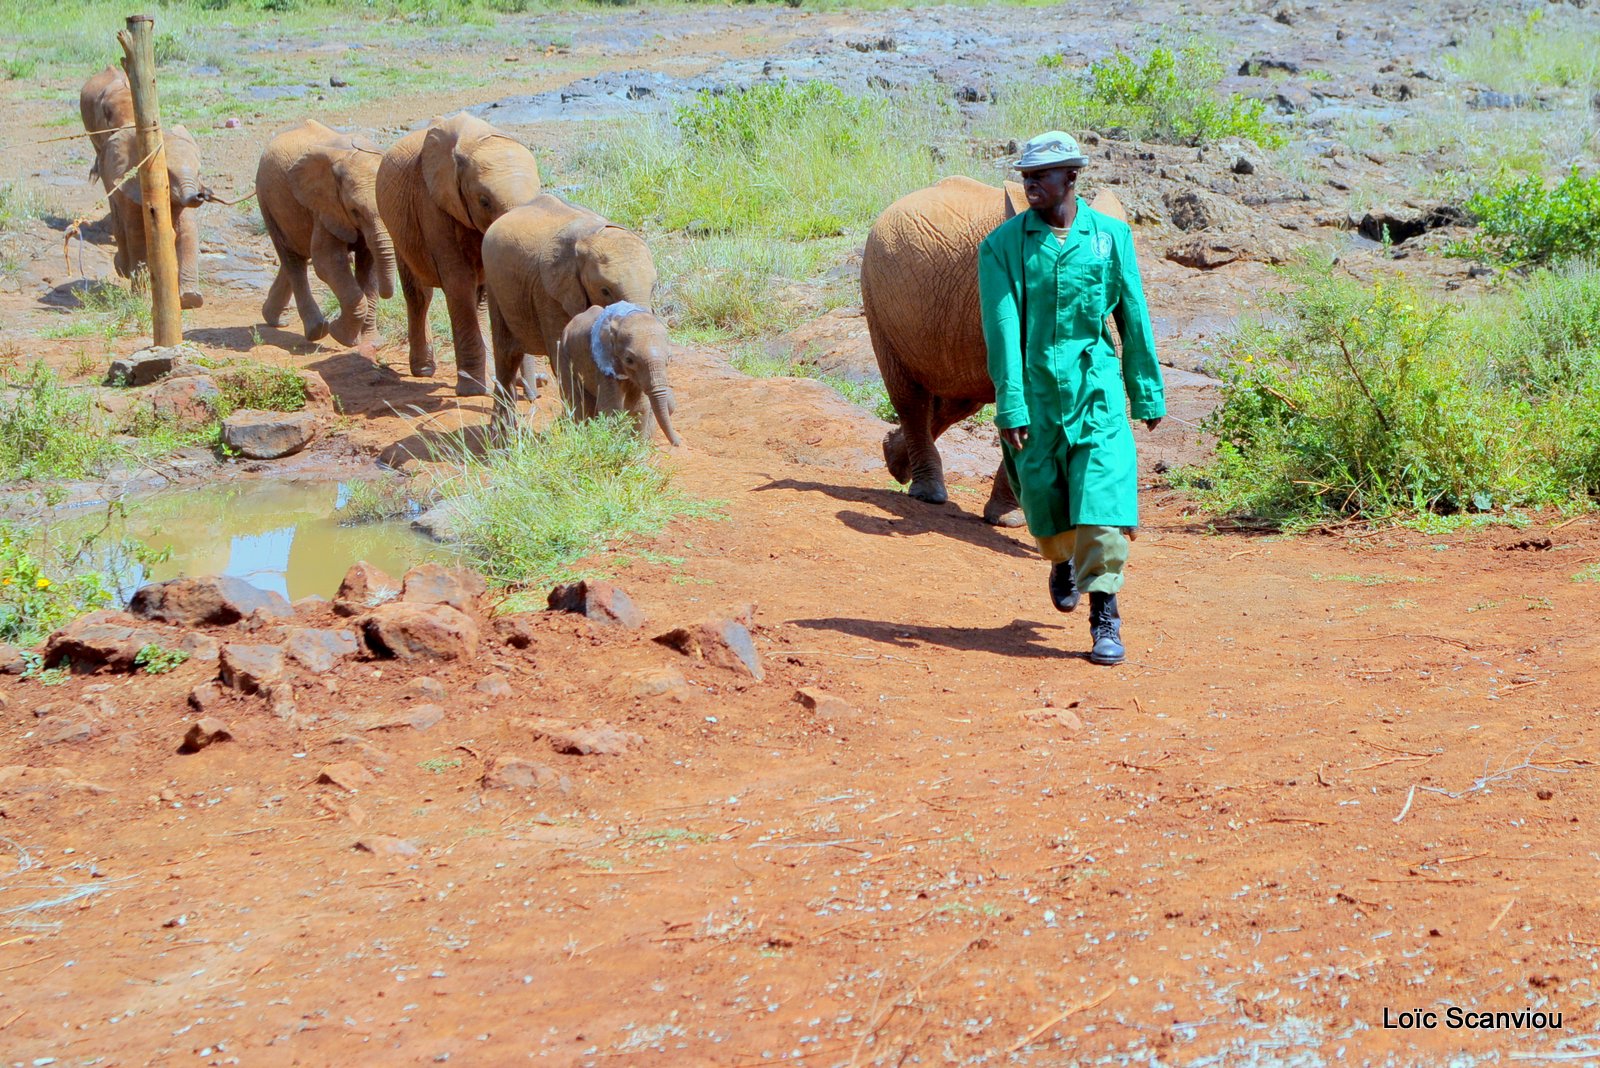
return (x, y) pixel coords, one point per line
(1340, 775)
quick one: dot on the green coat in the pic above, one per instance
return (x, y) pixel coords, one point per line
(1056, 370)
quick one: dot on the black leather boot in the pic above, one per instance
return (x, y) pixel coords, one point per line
(1064, 593)
(1105, 627)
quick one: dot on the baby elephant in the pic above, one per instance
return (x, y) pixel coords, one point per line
(614, 359)
(318, 194)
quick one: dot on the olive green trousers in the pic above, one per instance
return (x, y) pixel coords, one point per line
(1098, 555)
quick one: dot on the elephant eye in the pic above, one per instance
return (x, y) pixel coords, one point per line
(483, 202)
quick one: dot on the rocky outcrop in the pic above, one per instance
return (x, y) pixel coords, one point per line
(599, 602)
(215, 601)
(457, 587)
(103, 640)
(259, 435)
(719, 641)
(405, 631)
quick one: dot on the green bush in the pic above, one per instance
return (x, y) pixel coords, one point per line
(1524, 221)
(1378, 400)
(530, 509)
(46, 580)
(778, 159)
(259, 386)
(1538, 51)
(1168, 97)
(50, 431)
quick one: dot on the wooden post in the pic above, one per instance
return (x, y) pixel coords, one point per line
(139, 61)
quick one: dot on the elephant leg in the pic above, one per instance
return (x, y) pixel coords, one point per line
(508, 360)
(119, 237)
(133, 229)
(186, 233)
(418, 338)
(464, 300)
(909, 449)
(367, 276)
(275, 309)
(529, 375)
(1002, 509)
(331, 258)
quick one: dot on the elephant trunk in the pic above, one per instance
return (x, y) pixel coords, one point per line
(661, 403)
(190, 195)
(382, 248)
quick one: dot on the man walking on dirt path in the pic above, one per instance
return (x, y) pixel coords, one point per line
(1047, 279)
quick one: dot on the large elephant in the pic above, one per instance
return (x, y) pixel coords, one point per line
(318, 194)
(439, 189)
(106, 104)
(543, 264)
(919, 292)
(615, 360)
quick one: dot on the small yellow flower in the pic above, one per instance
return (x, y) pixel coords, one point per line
(43, 584)
(5, 582)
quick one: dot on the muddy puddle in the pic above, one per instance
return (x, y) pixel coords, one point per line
(295, 538)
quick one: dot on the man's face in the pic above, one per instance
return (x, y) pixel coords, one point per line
(1050, 187)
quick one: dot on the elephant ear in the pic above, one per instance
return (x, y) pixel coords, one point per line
(562, 271)
(316, 182)
(442, 160)
(115, 155)
(1016, 199)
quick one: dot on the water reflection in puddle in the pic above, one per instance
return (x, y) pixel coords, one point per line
(281, 536)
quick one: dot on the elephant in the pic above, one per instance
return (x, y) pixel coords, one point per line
(439, 189)
(545, 263)
(318, 194)
(919, 293)
(106, 104)
(614, 359)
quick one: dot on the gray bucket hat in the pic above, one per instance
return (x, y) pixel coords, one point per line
(1052, 149)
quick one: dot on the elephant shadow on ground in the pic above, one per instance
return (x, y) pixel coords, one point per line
(371, 390)
(1021, 638)
(93, 231)
(81, 293)
(244, 339)
(908, 517)
(438, 446)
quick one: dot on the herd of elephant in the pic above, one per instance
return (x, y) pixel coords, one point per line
(453, 206)
(457, 206)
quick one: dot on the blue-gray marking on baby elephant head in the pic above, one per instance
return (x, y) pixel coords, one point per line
(603, 359)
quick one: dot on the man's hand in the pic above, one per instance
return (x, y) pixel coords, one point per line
(1151, 424)
(1016, 436)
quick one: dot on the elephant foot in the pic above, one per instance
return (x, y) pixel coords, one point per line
(894, 457)
(1010, 517)
(316, 330)
(422, 365)
(467, 386)
(345, 332)
(275, 319)
(930, 490)
(191, 299)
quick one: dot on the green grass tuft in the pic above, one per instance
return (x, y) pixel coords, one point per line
(1537, 52)
(1523, 221)
(530, 509)
(51, 431)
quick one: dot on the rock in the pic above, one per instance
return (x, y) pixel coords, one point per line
(202, 647)
(99, 640)
(207, 696)
(318, 650)
(215, 601)
(1394, 89)
(419, 718)
(594, 739)
(1207, 251)
(518, 773)
(364, 587)
(426, 688)
(204, 732)
(309, 603)
(718, 641)
(515, 630)
(1242, 165)
(384, 845)
(346, 775)
(419, 632)
(318, 395)
(442, 522)
(496, 685)
(600, 602)
(457, 587)
(77, 729)
(1487, 99)
(1054, 717)
(187, 401)
(12, 662)
(258, 435)
(1402, 223)
(1195, 209)
(656, 682)
(251, 668)
(825, 705)
(280, 702)
(1257, 65)
(147, 365)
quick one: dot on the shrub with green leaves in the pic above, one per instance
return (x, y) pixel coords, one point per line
(1525, 221)
(1537, 51)
(530, 508)
(1168, 96)
(155, 659)
(41, 589)
(49, 430)
(1377, 400)
(259, 386)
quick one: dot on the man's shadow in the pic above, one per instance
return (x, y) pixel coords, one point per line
(1024, 638)
(908, 517)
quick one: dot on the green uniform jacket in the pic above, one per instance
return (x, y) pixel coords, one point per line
(1056, 370)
